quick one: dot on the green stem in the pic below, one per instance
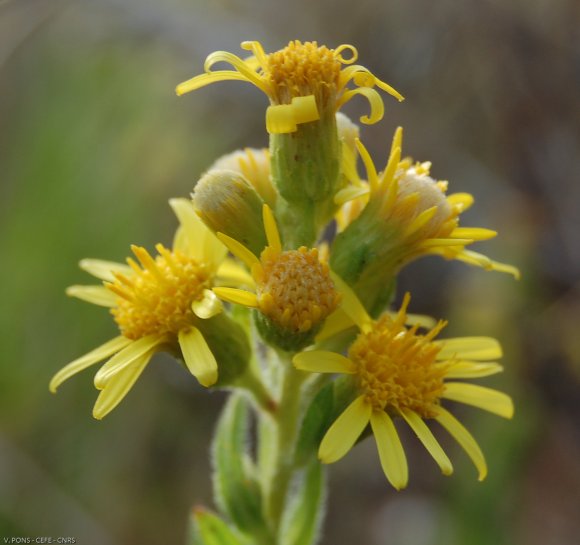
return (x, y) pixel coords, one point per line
(279, 467)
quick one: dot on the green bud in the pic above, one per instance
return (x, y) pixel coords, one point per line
(227, 203)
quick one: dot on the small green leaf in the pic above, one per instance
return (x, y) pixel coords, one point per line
(209, 529)
(303, 517)
(236, 489)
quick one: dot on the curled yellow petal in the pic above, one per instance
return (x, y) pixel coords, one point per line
(375, 102)
(208, 306)
(280, 119)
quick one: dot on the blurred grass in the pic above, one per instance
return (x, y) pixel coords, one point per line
(94, 142)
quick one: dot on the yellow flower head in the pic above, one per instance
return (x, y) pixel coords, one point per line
(158, 304)
(302, 80)
(293, 288)
(414, 208)
(399, 372)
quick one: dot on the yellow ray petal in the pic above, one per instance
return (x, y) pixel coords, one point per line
(391, 453)
(305, 109)
(464, 438)
(421, 320)
(240, 65)
(461, 200)
(469, 348)
(239, 250)
(104, 269)
(94, 356)
(372, 175)
(481, 397)
(197, 82)
(428, 439)
(230, 272)
(351, 305)
(280, 119)
(342, 435)
(350, 193)
(338, 321)
(208, 306)
(97, 295)
(238, 297)
(475, 233)
(127, 357)
(119, 385)
(202, 244)
(420, 221)
(375, 102)
(271, 229)
(444, 242)
(469, 369)
(198, 357)
(323, 361)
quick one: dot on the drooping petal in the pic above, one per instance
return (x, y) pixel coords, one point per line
(428, 439)
(375, 102)
(94, 356)
(209, 305)
(469, 348)
(119, 385)
(97, 295)
(238, 297)
(481, 397)
(342, 435)
(323, 361)
(198, 357)
(197, 82)
(102, 269)
(464, 438)
(470, 369)
(127, 357)
(391, 453)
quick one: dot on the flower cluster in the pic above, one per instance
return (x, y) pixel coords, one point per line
(303, 303)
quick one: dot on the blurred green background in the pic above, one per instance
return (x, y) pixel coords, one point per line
(93, 142)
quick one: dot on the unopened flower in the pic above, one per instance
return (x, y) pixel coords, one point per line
(412, 211)
(301, 80)
(159, 304)
(294, 292)
(399, 372)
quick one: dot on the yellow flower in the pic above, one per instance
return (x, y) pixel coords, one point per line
(414, 208)
(157, 305)
(301, 81)
(293, 288)
(399, 372)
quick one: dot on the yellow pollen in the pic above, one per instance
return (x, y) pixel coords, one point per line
(294, 288)
(303, 69)
(157, 297)
(396, 367)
